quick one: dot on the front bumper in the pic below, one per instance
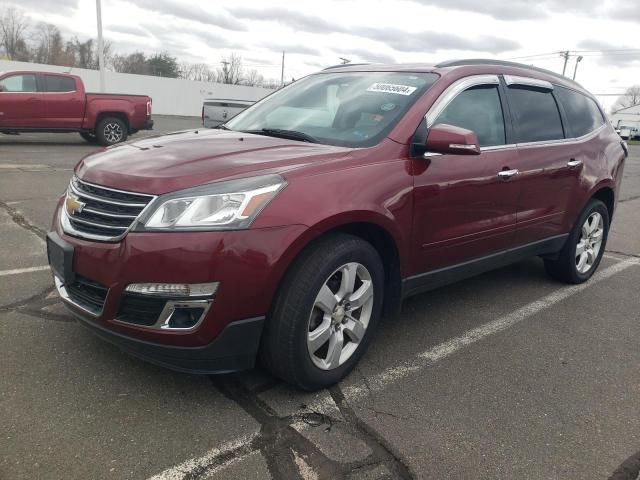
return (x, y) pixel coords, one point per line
(248, 265)
(233, 350)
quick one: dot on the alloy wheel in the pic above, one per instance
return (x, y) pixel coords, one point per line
(113, 132)
(340, 316)
(590, 242)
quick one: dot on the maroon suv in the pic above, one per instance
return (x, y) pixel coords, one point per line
(287, 233)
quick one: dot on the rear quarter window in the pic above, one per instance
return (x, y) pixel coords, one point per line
(55, 83)
(535, 114)
(583, 115)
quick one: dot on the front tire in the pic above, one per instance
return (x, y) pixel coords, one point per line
(111, 130)
(325, 314)
(582, 253)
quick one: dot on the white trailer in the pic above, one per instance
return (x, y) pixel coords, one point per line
(627, 122)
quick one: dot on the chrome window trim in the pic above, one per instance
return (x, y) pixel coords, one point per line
(461, 85)
(494, 148)
(64, 295)
(543, 143)
(563, 141)
(527, 82)
(453, 90)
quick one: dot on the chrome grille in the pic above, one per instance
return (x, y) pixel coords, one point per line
(104, 213)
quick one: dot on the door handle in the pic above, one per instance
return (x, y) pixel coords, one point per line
(507, 174)
(574, 163)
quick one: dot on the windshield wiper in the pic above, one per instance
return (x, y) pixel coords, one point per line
(222, 126)
(282, 133)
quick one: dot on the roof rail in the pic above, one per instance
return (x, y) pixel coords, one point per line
(504, 63)
(344, 65)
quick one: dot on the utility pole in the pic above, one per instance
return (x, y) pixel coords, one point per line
(282, 71)
(565, 55)
(575, 71)
(100, 45)
(225, 71)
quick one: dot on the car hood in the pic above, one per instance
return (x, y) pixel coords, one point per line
(180, 160)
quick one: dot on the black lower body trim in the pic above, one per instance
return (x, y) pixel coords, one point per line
(444, 276)
(234, 349)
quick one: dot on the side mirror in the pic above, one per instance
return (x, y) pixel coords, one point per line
(445, 138)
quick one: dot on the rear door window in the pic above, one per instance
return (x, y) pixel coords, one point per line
(55, 83)
(19, 83)
(535, 114)
(583, 115)
(477, 109)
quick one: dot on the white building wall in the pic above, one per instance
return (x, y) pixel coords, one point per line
(629, 117)
(171, 96)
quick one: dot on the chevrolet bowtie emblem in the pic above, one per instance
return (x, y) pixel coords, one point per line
(74, 205)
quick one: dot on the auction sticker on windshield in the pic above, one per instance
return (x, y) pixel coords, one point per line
(391, 88)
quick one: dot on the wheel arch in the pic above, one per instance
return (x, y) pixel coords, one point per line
(371, 230)
(119, 115)
(606, 194)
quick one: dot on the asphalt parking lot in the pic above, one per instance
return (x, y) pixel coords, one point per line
(506, 375)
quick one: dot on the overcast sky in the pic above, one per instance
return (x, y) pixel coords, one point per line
(316, 33)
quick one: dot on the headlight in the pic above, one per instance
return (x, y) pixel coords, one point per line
(228, 205)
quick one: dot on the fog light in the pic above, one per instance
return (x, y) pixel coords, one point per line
(185, 317)
(174, 289)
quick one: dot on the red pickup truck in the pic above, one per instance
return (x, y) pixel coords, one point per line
(54, 102)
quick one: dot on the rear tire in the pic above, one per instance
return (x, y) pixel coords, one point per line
(89, 137)
(111, 130)
(303, 343)
(579, 258)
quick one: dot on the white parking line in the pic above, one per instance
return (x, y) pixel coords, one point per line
(422, 360)
(16, 271)
(445, 349)
(181, 471)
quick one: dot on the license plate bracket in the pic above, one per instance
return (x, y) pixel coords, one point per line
(60, 255)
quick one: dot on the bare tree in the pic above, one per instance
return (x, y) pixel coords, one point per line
(253, 78)
(628, 99)
(49, 46)
(13, 25)
(231, 71)
(271, 83)
(202, 73)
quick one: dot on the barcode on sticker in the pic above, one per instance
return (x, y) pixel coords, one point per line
(391, 88)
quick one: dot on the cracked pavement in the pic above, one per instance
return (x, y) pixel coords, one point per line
(551, 393)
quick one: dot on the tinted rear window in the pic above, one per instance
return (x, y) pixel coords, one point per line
(536, 114)
(54, 83)
(583, 115)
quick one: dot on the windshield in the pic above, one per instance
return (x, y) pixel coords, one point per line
(355, 109)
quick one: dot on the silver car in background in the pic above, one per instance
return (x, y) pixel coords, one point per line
(218, 110)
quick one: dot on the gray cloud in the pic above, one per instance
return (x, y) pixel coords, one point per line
(136, 31)
(396, 38)
(293, 19)
(434, 41)
(614, 58)
(366, 55)
(61, 6)
(516, 9)
(291, 48)
(187, 11)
